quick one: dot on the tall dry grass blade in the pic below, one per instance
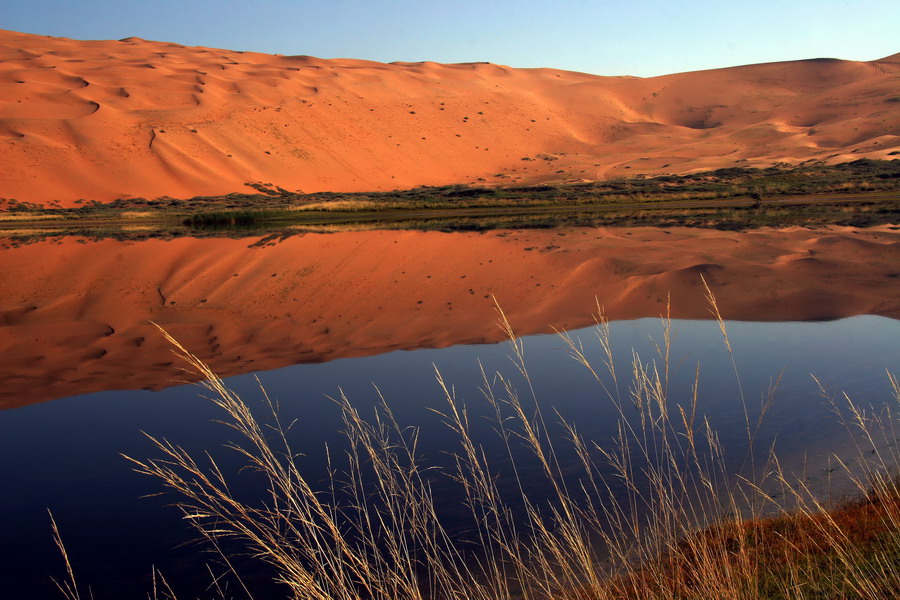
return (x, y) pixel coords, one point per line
(655, 514)
(716, 313)
(67, 587)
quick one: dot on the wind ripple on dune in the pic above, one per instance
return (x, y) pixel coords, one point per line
(350, 125)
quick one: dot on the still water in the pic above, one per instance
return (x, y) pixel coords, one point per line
(84, 373)
(64, 455)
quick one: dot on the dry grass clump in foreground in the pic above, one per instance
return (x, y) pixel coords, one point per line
(846, 552)
(655, 515)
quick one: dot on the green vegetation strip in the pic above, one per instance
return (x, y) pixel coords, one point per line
(863, 192)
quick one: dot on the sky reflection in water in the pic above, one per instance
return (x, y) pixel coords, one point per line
(65, 455)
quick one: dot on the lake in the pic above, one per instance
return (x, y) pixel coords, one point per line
(85, 372)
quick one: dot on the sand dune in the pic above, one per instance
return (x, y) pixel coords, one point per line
(74, 315)
(99, 120)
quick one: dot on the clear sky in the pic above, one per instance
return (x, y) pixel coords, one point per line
(641, 37)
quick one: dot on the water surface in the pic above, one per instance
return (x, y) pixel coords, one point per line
(315, 314)
(75, 313)
(65, 455)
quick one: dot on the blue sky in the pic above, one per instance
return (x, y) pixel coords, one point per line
(645, 38)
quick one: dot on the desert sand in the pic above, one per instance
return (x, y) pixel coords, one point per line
(75, 314)
(101, 120)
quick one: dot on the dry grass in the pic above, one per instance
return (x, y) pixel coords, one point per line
(25, 217)
(342, 205)
(667, 521)
(137, 214)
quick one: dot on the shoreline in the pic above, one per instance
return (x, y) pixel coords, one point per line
(874, 208)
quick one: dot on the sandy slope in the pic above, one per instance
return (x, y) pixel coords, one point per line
(74, 315)
(110, 119)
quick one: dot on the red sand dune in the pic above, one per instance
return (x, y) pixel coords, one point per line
(100, 120)
(74, 314)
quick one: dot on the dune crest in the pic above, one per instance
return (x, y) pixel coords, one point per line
(100, 120)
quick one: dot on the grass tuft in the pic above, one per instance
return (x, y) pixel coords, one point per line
(654, 515)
